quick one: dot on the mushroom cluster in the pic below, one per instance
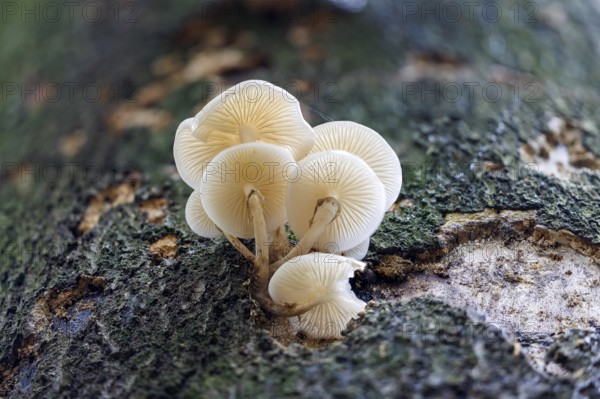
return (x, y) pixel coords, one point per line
(255, 164)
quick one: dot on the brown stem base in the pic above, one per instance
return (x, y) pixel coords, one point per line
(281, 310)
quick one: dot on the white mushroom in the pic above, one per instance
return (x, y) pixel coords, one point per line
(335, 203)
(234, 174)
(254, 110)
(319, 281)
(366, 144)
(191, 155)
(197, 218)
(358, 252)
(243, 193)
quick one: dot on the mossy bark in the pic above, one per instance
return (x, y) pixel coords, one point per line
(132, 304)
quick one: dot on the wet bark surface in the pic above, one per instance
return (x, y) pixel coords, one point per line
(105, 291)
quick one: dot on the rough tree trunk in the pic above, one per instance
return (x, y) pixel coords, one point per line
(484, 277)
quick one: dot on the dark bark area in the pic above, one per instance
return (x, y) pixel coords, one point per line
(104, 290)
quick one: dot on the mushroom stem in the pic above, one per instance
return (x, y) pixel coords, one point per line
(282, 309)
(325, 212)
(279, 243)
(261, 240)
(237, 244)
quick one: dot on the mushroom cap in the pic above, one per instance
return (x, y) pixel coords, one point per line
(232, 176)
(255, 110)
(197, 218)
(358, 252)
(367, 144)
(347, 178)
(191, 155)
(322, 278)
